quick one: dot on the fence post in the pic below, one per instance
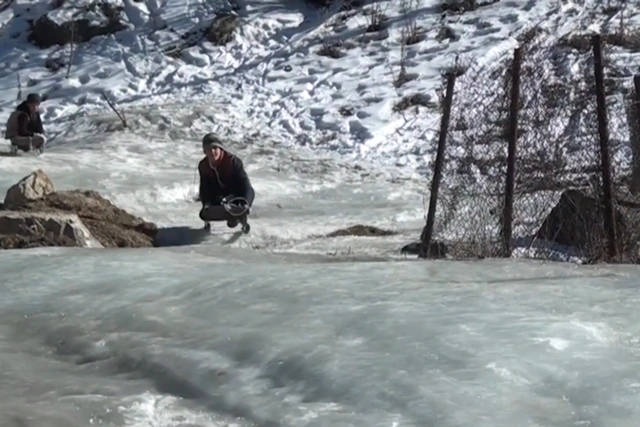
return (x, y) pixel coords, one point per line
(635, 137)
(507, 213)
(427, 232)
(603, 133)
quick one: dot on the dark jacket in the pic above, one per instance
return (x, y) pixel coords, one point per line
(227, 179)
(28, 123)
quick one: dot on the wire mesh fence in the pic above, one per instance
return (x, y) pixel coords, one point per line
(536, 164)
(472, 175)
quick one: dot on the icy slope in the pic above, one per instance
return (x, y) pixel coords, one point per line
(271, 75)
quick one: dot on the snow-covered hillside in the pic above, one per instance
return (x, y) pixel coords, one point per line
(270, 74)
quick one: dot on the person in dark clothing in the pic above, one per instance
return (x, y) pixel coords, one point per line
(24, 127)
(222, 177)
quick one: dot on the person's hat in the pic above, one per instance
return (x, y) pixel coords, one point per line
(34, 98)
(212, 140)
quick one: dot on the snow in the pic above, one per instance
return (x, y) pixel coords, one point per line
(285, 327)
(249, 75)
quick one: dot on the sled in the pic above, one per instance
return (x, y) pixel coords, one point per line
(235, 210)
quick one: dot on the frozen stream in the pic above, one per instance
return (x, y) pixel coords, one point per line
(272, 331)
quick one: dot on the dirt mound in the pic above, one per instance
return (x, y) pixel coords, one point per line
(361, 230)
(34, 214)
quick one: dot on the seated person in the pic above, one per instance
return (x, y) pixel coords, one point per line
(24, 127)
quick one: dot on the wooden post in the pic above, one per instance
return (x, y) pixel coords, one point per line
(427, 232)
(605, 161)
(634, 126)
(512, 135)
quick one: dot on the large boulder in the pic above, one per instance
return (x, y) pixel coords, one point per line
(34, 229)
(98, 19)
(577, 221)
(222, 29)
(33, 186)
(41, 217)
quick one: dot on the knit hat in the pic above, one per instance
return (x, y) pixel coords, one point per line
(34, 98)
(212, 140)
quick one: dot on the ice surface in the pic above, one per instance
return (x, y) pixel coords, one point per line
(282, 327)
(174, 338)
(299, 194)
(272, 331)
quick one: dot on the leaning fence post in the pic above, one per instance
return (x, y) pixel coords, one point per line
(634, 126)
(427, 232)
(636, 86)
(603, 133)
(507, 213)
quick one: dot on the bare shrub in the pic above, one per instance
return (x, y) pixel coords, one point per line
(410, 34)
(413, 100)
(346, 111)
(54, 63)
(376, 20)
(335, 49)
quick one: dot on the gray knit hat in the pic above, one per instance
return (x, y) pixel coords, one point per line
(212, 140)
(34, 98)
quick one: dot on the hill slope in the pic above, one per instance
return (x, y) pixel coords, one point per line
(310, 76)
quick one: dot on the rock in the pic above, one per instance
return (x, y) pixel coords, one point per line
(180, 236)
(223, 28)
(459, 6)
(437, 249)
(31, 187)
(344, 4)
(361, 231)
(35, 229)
(577, 221)
(45, 33)
(111, 226)
(411, 248)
